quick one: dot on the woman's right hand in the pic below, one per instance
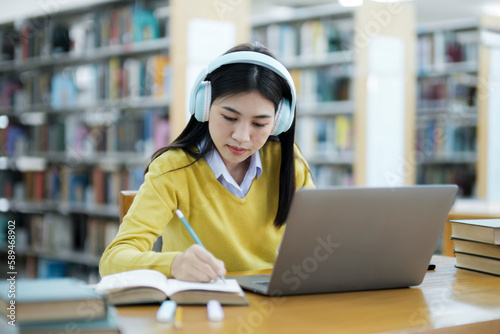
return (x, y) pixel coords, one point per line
(197, 264)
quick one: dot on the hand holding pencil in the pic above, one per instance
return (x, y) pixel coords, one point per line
(196, 264)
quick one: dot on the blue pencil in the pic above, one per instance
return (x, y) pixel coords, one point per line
(188, 227)
(191, 231)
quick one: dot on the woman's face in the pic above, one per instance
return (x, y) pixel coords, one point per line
(240, 125)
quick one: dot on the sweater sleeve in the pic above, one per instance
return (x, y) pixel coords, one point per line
(153, 207)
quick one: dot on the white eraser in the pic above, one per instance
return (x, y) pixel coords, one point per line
(166, 311)
(214, 310)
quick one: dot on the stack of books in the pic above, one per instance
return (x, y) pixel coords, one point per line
(477, 244)
(60, 305)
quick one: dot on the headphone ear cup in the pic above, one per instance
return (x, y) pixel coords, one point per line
(284, 117)
(202, 101)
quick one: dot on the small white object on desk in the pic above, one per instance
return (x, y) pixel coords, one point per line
(214, 310)
(166, 311)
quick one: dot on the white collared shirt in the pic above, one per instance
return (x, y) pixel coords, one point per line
(221, 173)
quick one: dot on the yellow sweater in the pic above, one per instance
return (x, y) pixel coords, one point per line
(239, 231)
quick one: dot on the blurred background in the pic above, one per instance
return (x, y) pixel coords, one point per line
(389, 94)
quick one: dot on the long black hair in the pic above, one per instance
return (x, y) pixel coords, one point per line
(233, 79)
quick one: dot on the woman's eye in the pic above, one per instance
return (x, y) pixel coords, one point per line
(260, 125)
(229, 118)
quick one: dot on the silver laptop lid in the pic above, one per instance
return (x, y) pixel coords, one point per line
(348, 239)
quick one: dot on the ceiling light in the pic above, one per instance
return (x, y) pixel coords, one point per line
(491, 8)
(350, 3)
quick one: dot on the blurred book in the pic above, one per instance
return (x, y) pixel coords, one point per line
(46, 300)
(103, 325)
(64, 92)
(144, 25)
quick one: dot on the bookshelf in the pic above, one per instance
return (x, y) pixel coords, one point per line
(338, 58)
(86, 96)
(314, 43)
(456, 141)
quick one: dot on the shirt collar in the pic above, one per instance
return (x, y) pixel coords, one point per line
(215, 162)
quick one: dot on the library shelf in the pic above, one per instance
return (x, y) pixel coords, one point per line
(124, 104)
(328, 108)
(87, 94)
(64, 208)
(70, 257)
(159, 45)
(455, 113)
(308, 61)
(85, 99)
(451, 158)
(340, 159)
(322, 46)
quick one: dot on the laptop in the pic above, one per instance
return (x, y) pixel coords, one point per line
(353, 238)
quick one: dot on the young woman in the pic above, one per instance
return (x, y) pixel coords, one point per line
(233, 172)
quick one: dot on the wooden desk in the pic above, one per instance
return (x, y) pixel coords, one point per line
(467, 209)
(449, 300)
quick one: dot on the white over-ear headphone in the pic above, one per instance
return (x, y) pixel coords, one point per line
(201, 94)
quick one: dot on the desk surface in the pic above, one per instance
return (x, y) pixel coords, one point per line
(447, 298)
